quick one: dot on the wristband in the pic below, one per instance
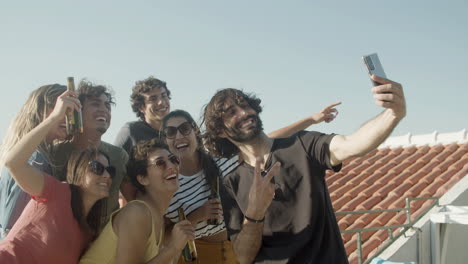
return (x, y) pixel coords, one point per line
(254, 220)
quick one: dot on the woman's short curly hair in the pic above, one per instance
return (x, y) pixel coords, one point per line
(138, 100)
(214, 124)
(138, 160)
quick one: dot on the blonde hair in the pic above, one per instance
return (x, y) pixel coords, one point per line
(31, 114)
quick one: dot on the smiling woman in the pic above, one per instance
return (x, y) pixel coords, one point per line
(199, 175)
(37, 107)
(135, 233)
(75, 206)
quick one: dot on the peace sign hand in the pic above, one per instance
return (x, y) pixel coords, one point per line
(261, 192)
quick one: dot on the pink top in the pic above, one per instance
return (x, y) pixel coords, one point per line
(46, 232)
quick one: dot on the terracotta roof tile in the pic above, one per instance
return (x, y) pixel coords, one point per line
(347, 220)
(430, 190)
(431, 176)
(332, 177)
(417, 177)
(372, 189)
(385, 203)
(358, 190)
(458, 165)
(387, 167)
(400, 178)
(358, 178)
(385, 189)
(353, 203)
(369, 203)
(359, 169)
(346, 178)
(415, 166)
(373, 178)
(415, 190)
(337, 204)
(401, 166)
(384, 178)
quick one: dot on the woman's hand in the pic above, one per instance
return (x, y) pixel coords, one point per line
(66, 102)
(209, 210)
(181, 233)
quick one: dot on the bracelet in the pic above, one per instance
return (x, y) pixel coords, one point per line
(254, 220)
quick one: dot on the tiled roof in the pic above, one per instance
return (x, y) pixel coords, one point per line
(384, 178)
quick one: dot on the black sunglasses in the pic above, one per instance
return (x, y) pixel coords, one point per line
(185, 128)
(162, 163)
(98, 168)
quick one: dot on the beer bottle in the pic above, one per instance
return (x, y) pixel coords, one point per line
(190, 251)
(214, 195)
(73, 118)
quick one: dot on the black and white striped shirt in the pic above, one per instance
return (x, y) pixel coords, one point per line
(193, 192)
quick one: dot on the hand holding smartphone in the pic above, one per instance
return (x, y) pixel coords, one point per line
(374, 66)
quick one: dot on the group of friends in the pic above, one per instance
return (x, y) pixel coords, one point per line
(59, 194)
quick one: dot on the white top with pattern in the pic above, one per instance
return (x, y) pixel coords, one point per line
(193, 192)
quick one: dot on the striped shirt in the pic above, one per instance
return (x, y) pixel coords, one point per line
(193, 192)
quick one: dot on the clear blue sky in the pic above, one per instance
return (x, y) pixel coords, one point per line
(297, 56)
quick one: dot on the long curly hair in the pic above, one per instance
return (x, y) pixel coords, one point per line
(213, 122)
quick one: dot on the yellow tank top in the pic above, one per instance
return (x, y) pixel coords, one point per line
(103, 249)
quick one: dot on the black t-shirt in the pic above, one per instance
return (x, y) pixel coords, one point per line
(300, 225)
(133, 132)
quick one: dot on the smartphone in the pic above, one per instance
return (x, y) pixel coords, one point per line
(374, 66)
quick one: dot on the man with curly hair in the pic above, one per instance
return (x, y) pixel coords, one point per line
(150, 101)
(276, 204)
(96, 101)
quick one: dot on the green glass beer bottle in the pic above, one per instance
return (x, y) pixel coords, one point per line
(214, 195)
(73, 118)
(190, 251)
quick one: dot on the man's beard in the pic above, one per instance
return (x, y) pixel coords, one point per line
(238, 135)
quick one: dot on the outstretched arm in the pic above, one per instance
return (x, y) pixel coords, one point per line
(26, 176)
(388, 95)
(327, 114)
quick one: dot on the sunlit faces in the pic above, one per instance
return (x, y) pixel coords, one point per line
(182, 144)
(241, 122)
(97, 181)
(96, 113)
(162, 172)
(157, 104)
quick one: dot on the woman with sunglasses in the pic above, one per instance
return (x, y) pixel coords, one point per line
(135, 233)
(198, 176)
(62, 217)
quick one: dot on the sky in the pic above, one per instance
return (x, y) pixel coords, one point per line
(297, 56)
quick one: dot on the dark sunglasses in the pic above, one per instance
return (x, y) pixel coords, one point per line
(185, 128)
(162, 163)
(98, 169)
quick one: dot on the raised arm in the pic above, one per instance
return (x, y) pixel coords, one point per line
(30, 179)
(247, 243)
(390, 96)
(327, 114)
